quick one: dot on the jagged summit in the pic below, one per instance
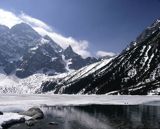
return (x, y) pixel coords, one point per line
(24, 51)
(3, 29)
(68, 52)
(24, 30)
(22, 27)
(155, 23)
(155, 26)
(76, 61)
(69, 48)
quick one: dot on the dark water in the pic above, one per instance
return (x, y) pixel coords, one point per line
(99, 117)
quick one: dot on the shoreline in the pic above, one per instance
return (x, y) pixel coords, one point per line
(73, 100)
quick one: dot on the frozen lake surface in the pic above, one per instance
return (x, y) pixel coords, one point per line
(87, 112)
(52, 100)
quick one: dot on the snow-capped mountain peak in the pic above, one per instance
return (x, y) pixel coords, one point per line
(69, 53)
(3, 29)
(69, 49)
(155, 26)
(24, 51)
(23, 30)
(135, 71)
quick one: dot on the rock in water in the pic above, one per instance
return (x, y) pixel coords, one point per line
(1, 113)
(9, 123)
(30, 122)
(35, 113)
(53, 123)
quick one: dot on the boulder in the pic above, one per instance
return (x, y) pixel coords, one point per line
(30, 122)
(9, 123)
(1, 113)
(35, 113)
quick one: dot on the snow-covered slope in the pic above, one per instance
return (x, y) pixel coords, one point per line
(34, 83)
(135, 71)
(63, 82)
(14, 85)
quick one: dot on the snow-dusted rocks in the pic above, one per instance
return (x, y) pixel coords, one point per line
(25, 52)
(1, 113)
(9, 119)
(59, 86)
(76, 61)
(134, 71)
(34, 113)
(149, 31)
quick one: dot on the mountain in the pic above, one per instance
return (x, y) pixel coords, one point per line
(77, 61)
(24, 52)
(62, 81)
(135, 71)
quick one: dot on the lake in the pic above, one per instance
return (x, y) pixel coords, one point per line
(92, 116)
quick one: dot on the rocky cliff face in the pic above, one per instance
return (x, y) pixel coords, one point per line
(135, 71)
(25, 52)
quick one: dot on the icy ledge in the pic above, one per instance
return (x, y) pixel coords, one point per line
(24, 101)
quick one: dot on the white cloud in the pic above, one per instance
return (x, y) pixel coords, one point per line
(104, 53)
(34, 22)
(10, 19)
(78, 46)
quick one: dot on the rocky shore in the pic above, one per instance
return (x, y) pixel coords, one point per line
(29, 117)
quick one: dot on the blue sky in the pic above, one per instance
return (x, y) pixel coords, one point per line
(108, 25)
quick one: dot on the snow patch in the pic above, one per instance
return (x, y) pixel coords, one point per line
(34, 48)
(11, 116)
(132, 72)
(13, 84)
(67, 62)
(53, 59)
(44, 41)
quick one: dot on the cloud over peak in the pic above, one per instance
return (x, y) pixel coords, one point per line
(104, 53)
(10, 19)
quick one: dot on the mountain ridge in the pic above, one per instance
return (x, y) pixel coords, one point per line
(135, 71)
(24, 51)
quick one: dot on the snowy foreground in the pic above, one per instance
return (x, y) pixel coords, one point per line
(52, 100)
(11, 116)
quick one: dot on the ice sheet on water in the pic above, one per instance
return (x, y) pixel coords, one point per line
(52, 100)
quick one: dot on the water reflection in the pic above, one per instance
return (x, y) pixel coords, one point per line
(75, 118)
(99, 117)
(106, 117)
